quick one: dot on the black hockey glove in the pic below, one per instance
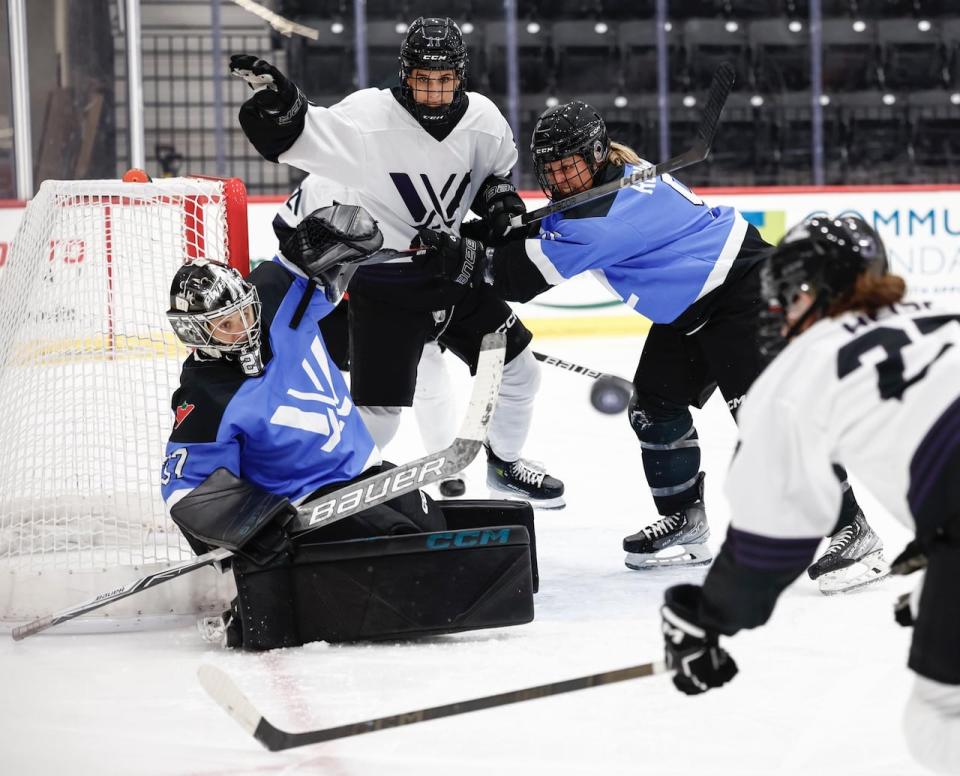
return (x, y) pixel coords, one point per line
(273, 117)
(691, 650)
(496, 203)
(460, 260)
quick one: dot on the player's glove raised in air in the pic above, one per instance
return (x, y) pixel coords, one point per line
(496, 203)
(691, 650)
(273, 117)
(460, 260)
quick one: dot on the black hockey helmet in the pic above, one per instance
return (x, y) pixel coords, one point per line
(328, 244)
(214, 309)
(433, 43)
(564, 130)
(821, 256)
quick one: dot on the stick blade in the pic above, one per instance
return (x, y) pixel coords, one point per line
(481, 407)
(720, 87)
(229, 697)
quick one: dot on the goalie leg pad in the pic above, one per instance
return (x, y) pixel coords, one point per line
(481, 513)
(389, 588)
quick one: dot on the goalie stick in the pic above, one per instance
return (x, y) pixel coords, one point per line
(346, 501)
(716, 98)
(225, 692)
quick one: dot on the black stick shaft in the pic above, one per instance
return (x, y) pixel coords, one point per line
(276, 739)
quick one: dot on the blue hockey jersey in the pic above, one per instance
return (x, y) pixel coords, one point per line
(656, 245)
(289, 431)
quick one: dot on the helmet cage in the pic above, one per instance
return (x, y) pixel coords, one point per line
(199, 329)
(433, 44)
(567, 130)
(822, 257)
(203, 296)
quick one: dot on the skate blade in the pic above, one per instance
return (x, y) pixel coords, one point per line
(678, 556)
(536, 503)
(869, 570)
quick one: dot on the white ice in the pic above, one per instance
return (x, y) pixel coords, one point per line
(820, 690)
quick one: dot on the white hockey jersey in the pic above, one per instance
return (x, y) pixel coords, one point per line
(312, 194)
(371, 146)
(852, 390)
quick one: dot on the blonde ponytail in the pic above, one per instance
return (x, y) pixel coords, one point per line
(621, 154)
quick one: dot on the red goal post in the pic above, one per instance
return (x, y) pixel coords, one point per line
(88, 365)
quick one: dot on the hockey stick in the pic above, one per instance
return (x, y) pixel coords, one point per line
(225, 692)
(611, 394)
(716, 98)
(348, 500)
(577, 369)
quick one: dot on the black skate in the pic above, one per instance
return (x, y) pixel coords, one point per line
(853, 559)
(672, 541)
(452, 487)
(522, 480)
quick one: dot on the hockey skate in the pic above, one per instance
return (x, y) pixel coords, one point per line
(522, 480)
(672, 541)
(452, 487)
(223, 629)
(853, 559)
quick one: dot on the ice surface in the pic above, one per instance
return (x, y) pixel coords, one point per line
(821, 688)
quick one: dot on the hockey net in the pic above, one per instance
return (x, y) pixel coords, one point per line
(88, 364)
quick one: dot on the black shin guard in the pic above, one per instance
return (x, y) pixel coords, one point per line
(671, 452)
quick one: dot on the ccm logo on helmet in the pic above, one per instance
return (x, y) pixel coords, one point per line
(433, 57)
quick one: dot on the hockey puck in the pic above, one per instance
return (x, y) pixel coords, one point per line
(610, 395)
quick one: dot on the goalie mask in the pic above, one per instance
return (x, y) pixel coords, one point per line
(822, 257)
(573, 128)
(328, 244)
(433, 44)
(213, 309)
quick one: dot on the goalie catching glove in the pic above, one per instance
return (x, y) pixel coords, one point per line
(691, 650)
(328, 244)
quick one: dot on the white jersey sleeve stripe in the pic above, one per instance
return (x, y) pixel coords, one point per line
(540, 260)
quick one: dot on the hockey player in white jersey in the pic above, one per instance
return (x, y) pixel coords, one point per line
(433, 401)
(419, 155)
(874, 381)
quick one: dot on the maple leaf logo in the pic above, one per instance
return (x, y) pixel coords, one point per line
(181, 412)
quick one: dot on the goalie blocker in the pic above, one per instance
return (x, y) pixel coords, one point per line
(479, 573)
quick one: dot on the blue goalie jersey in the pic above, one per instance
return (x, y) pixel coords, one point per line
(657, 246)
(289, 431)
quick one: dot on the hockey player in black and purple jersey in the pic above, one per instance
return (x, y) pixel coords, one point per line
(870, 379)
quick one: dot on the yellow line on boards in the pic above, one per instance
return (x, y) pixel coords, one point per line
(589, 326)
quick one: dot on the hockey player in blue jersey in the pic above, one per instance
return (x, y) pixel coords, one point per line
(264, 421)
(693, 270)
(260, 396)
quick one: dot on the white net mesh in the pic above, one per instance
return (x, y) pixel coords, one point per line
(87, 367)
